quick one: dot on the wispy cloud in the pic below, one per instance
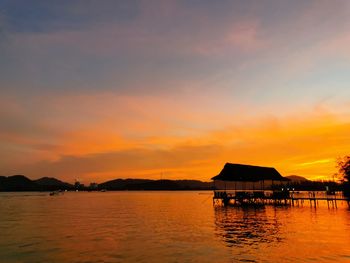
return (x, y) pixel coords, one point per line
(316, 162)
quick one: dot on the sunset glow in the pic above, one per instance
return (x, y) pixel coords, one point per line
(173, 89)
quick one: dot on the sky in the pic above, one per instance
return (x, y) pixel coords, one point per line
(97, 90)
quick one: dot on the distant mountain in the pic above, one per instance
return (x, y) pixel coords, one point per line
(147, 184)
(122, 184)
(194, 184)
(22, 183)
(17, 183)
(52, 183)
(296, 178)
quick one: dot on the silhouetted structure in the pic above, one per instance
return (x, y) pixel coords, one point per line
(248, 173)
(281, 194)
(78, 185)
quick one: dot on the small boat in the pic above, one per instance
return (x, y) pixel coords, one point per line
(56, 193)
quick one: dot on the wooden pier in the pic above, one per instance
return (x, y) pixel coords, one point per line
(277, 198)
(281, 195)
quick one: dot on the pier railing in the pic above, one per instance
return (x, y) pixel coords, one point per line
(283, 196)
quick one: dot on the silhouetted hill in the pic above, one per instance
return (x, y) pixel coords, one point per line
(49, 183)
(156, 185)
(194, 184)
(22, 183)
(303, 184)
(297, 178)
(122, 184)
(147, 184)
(17, 183)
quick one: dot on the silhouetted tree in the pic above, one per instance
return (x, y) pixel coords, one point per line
(344, 168)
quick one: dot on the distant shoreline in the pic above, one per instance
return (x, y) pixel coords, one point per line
(20, 183)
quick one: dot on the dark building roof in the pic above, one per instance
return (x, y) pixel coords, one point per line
(248, 173)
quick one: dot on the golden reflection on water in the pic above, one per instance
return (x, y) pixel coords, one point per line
(240, 227)
(165, 227)
(291, 234)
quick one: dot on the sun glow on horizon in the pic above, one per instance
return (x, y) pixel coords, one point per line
(304, 146)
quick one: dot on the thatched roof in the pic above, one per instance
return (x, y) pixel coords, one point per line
(248, 173)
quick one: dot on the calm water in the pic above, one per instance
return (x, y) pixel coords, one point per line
(165, 227)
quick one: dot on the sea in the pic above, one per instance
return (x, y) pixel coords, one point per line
(166, 226)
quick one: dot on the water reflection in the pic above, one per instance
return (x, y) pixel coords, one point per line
(241, 227)
(166, 227)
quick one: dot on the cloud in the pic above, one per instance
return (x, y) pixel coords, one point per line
(123, 163)
(46, 17)
(317, 162)
(152, 47)
(284, 143)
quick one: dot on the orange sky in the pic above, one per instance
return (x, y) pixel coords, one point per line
(156, 138)
(173, 89)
